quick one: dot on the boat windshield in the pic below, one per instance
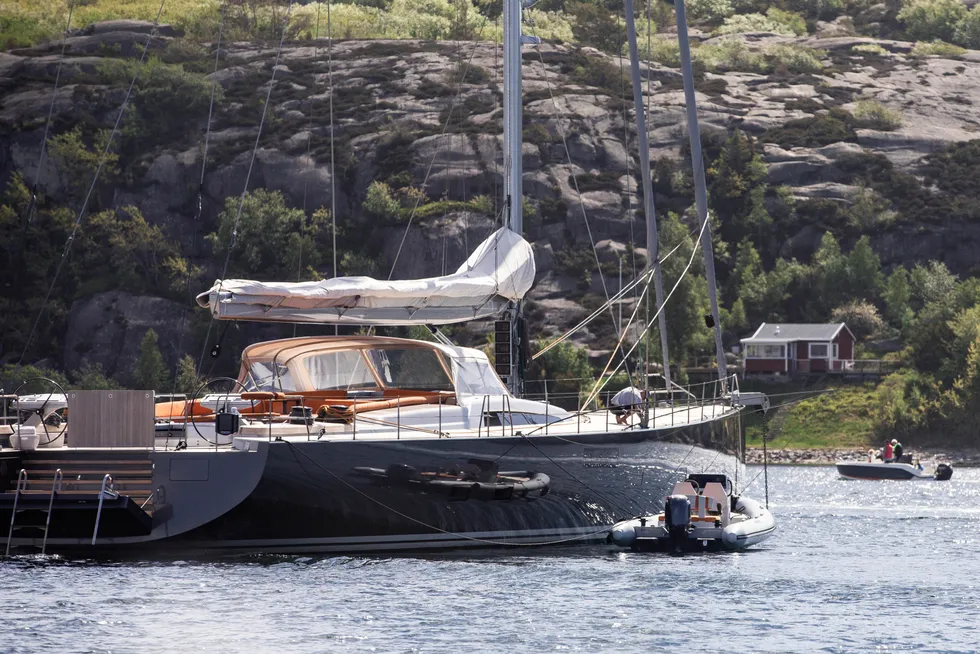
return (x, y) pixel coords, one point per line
(476, 377)
(415, 368)
(339, 370)
(269, 376)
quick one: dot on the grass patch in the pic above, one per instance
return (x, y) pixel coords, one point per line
(937, 48)
(814, 131)
(839, 419)
(874, 115)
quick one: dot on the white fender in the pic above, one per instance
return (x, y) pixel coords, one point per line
(624, 533)
(758, 526)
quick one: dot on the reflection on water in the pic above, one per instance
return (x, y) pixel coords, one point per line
(855, 566)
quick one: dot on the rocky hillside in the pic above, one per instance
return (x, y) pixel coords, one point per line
(854, 135)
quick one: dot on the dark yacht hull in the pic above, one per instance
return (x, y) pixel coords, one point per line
(312, 497)
(333, 497)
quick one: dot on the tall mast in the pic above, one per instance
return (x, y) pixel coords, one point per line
(700, 191)
(653, 240)
(513, 189)
(513, 128)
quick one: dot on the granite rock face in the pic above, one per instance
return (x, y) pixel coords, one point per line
(399, 109)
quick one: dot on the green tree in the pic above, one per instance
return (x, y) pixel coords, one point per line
(865, 279)
(12, 376)
(93, 378)
(737, 189)
(274, 241)
(930, 283)
(380, 203)
(150, 372)
(750, 282)
(118, 249)
(832, 274)
(897, 295)
(595, 25)
(188, 381)
(861, 317)
(77, 159)
(928, 20)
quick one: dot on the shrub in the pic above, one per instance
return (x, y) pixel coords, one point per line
(791, 19)
(746, 23)
(873, 114)
(795, 59)
(928, 20)
(937, 48)
(273, 239)
(868, 48)
(596, 26)
(968, 31)
(93, 378)
(712, 11)
(775, 21)
(664, 51)
(730, 54)
(380, 203)
(167, 99)
(869, 210)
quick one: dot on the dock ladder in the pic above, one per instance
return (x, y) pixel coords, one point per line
(21, 489)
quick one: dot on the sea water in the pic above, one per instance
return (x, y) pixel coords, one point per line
(855, 566)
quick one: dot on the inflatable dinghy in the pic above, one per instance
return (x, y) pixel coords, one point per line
(701, 514)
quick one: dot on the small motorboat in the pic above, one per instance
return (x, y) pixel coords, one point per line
(701, 514)
(904, 469)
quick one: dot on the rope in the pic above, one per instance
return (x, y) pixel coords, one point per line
(633, 284)
(435, 153)
(439, 529)
(597, 388)
(622, 292)
(248, 176)
(95, 179)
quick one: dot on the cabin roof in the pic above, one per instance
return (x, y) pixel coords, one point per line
(789, 332)
(291, 347)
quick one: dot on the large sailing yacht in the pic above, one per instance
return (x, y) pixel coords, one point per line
(366, 443)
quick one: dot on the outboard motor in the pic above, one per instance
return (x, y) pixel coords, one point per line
(677, 519)
(943, 472)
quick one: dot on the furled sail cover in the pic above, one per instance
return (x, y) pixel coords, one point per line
(500, 270)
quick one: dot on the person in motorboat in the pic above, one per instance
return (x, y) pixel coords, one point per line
(896, 450)
(626, 402)
(886, 456)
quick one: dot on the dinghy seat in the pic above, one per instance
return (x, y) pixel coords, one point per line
(718, 502)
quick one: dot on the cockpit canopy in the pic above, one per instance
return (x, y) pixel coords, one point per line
(366, 363)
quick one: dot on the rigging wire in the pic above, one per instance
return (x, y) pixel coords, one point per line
(435, 153)
(600, 384)
(333, 165)
(95, 179)
(198, 212)
(632, 285)
(578, 192)
(241, 203)
(32, 206)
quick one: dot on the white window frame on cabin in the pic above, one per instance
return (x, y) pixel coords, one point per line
(769, 350)
(827, 351)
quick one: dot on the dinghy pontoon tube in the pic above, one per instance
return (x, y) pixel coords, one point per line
(701, 514)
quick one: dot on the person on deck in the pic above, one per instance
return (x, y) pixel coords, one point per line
(627, 402)
(896, 450)
(886, 456)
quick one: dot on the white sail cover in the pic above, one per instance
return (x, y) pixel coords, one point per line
(499, 271)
